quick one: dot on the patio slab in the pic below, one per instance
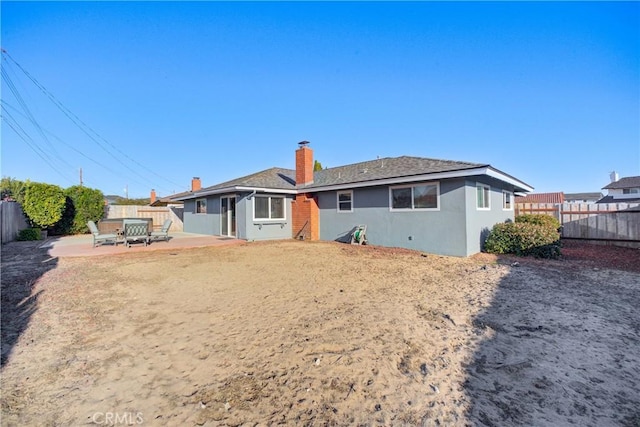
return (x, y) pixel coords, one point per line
(76, 246)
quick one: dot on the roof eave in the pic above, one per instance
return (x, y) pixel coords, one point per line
(236, 188)
(460, 173)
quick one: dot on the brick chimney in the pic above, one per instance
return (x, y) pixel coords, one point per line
(196, 184)
(152, 197)
(305, 215)
(304, 164)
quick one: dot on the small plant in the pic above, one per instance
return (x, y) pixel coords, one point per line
(29, 234)
(524, 238)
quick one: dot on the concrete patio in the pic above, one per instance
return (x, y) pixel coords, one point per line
(81, 245)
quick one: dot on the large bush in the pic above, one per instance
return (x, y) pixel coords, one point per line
(83, 204)
(539, 219)
(524, 238)
(43, 204)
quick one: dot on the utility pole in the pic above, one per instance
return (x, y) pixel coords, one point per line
(80, 177)
(126, 191)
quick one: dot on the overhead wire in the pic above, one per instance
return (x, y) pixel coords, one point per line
(5, 104)
(20, 132)
(87, 130)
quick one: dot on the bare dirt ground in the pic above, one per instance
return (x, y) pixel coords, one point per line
(299, 333)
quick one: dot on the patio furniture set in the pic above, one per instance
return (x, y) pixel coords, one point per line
(129, 231)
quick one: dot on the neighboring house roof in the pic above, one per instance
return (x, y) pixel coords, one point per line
(387, 170)
(583, 196)
(557, 197)
(168, 200)
(611, 199)
(626, 182)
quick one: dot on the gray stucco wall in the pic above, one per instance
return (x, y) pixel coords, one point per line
(246, 227)
(480, 222)
(441, 231)
(268, 229)
(208, 223)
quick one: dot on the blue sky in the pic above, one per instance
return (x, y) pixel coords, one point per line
(547, 92)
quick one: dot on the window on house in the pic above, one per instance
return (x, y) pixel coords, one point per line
(419, 196)
(507, 203)
(483, 193)
(345, 201)
(268, 207)
(630, 190)
(201, 206)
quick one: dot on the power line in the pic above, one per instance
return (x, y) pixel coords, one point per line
(87, 130)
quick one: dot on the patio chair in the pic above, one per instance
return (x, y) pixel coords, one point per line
(162, 233)
(135, 231)
(359, 235)
(100, 238)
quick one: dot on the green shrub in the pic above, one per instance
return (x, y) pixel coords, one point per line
(523, 238)
(539, 219)
(44, 204)
(29, 234)
(82, 204)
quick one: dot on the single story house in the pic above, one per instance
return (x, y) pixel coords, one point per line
(437, 206)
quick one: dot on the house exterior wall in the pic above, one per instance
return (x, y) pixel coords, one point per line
(440, 231)
(208, 223)
(266, 229)
(480, 222)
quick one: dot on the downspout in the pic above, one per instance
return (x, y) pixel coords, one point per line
(250, 196)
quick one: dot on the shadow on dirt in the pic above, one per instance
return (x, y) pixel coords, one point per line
(560, 346)
(23, 263)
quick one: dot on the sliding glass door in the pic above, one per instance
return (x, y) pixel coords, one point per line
(228, 216)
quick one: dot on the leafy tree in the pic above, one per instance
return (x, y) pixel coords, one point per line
(83, 204)
(13, 188)
(317, 166)
(43, 204)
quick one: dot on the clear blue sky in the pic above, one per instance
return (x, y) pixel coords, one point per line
(547, 92)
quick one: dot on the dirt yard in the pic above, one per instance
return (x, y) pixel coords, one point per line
(300, 333)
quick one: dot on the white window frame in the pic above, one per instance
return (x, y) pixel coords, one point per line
(411, 186)
(487, 205)
(284, 208)
(350, 193)
(506, 193)
(205, 206)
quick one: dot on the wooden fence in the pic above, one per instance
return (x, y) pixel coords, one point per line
(12, 220)
(157, 214)
(612, 223)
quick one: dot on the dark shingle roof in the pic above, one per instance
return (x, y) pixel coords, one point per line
(278, 178)
(388, 167)
(626, 182)
(611, 199)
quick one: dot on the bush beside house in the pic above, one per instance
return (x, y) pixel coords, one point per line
(535, 235)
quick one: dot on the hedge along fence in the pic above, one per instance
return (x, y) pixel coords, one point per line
(611, 223)
(12, 220)
(157, 214)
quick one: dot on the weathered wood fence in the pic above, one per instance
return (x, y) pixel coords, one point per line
(158, 214)
(12, 220)
(613, 223)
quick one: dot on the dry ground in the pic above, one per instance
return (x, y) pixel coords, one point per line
(299, 333)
